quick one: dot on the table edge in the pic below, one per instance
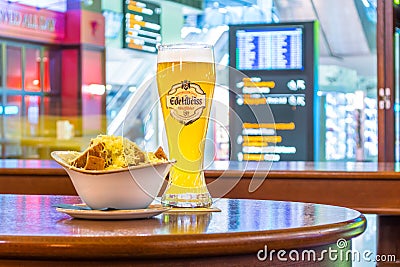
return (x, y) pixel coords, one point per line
(177, 245)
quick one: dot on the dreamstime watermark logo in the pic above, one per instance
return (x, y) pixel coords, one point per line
(343, 253)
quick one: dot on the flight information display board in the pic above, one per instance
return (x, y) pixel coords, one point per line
(269, 49)
(272, 83)
(142, 26)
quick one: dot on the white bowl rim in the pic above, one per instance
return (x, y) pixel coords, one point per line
(56, 157)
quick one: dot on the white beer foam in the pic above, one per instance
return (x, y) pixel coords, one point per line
(186, 52)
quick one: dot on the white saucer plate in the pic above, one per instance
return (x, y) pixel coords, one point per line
(149, 212)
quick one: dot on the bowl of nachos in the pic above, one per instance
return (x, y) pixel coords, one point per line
(113, 172)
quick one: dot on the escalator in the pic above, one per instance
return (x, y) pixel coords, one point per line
(217, 36)
(132, 107)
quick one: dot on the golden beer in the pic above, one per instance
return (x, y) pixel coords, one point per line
(186, 80)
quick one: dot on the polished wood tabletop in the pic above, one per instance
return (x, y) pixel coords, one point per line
(32, 231)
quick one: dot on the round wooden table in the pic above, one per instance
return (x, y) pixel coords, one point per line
(243, 233)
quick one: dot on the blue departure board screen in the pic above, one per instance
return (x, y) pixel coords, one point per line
(269, 48)
(273, 81)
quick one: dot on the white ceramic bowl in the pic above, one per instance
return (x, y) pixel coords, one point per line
(127, 188)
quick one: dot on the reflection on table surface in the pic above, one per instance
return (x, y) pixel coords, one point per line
(36, 215)
(32, 230)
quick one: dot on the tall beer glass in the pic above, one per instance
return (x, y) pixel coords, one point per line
(185, 80)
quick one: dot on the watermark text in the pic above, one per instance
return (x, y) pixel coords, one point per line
(331, 254)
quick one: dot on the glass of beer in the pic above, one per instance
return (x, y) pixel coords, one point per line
(186, 80)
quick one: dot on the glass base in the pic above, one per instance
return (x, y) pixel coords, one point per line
(187, 200)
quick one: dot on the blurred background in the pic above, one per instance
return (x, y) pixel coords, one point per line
(72, 69)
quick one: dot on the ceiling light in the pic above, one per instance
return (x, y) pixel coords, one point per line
(366, 3)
